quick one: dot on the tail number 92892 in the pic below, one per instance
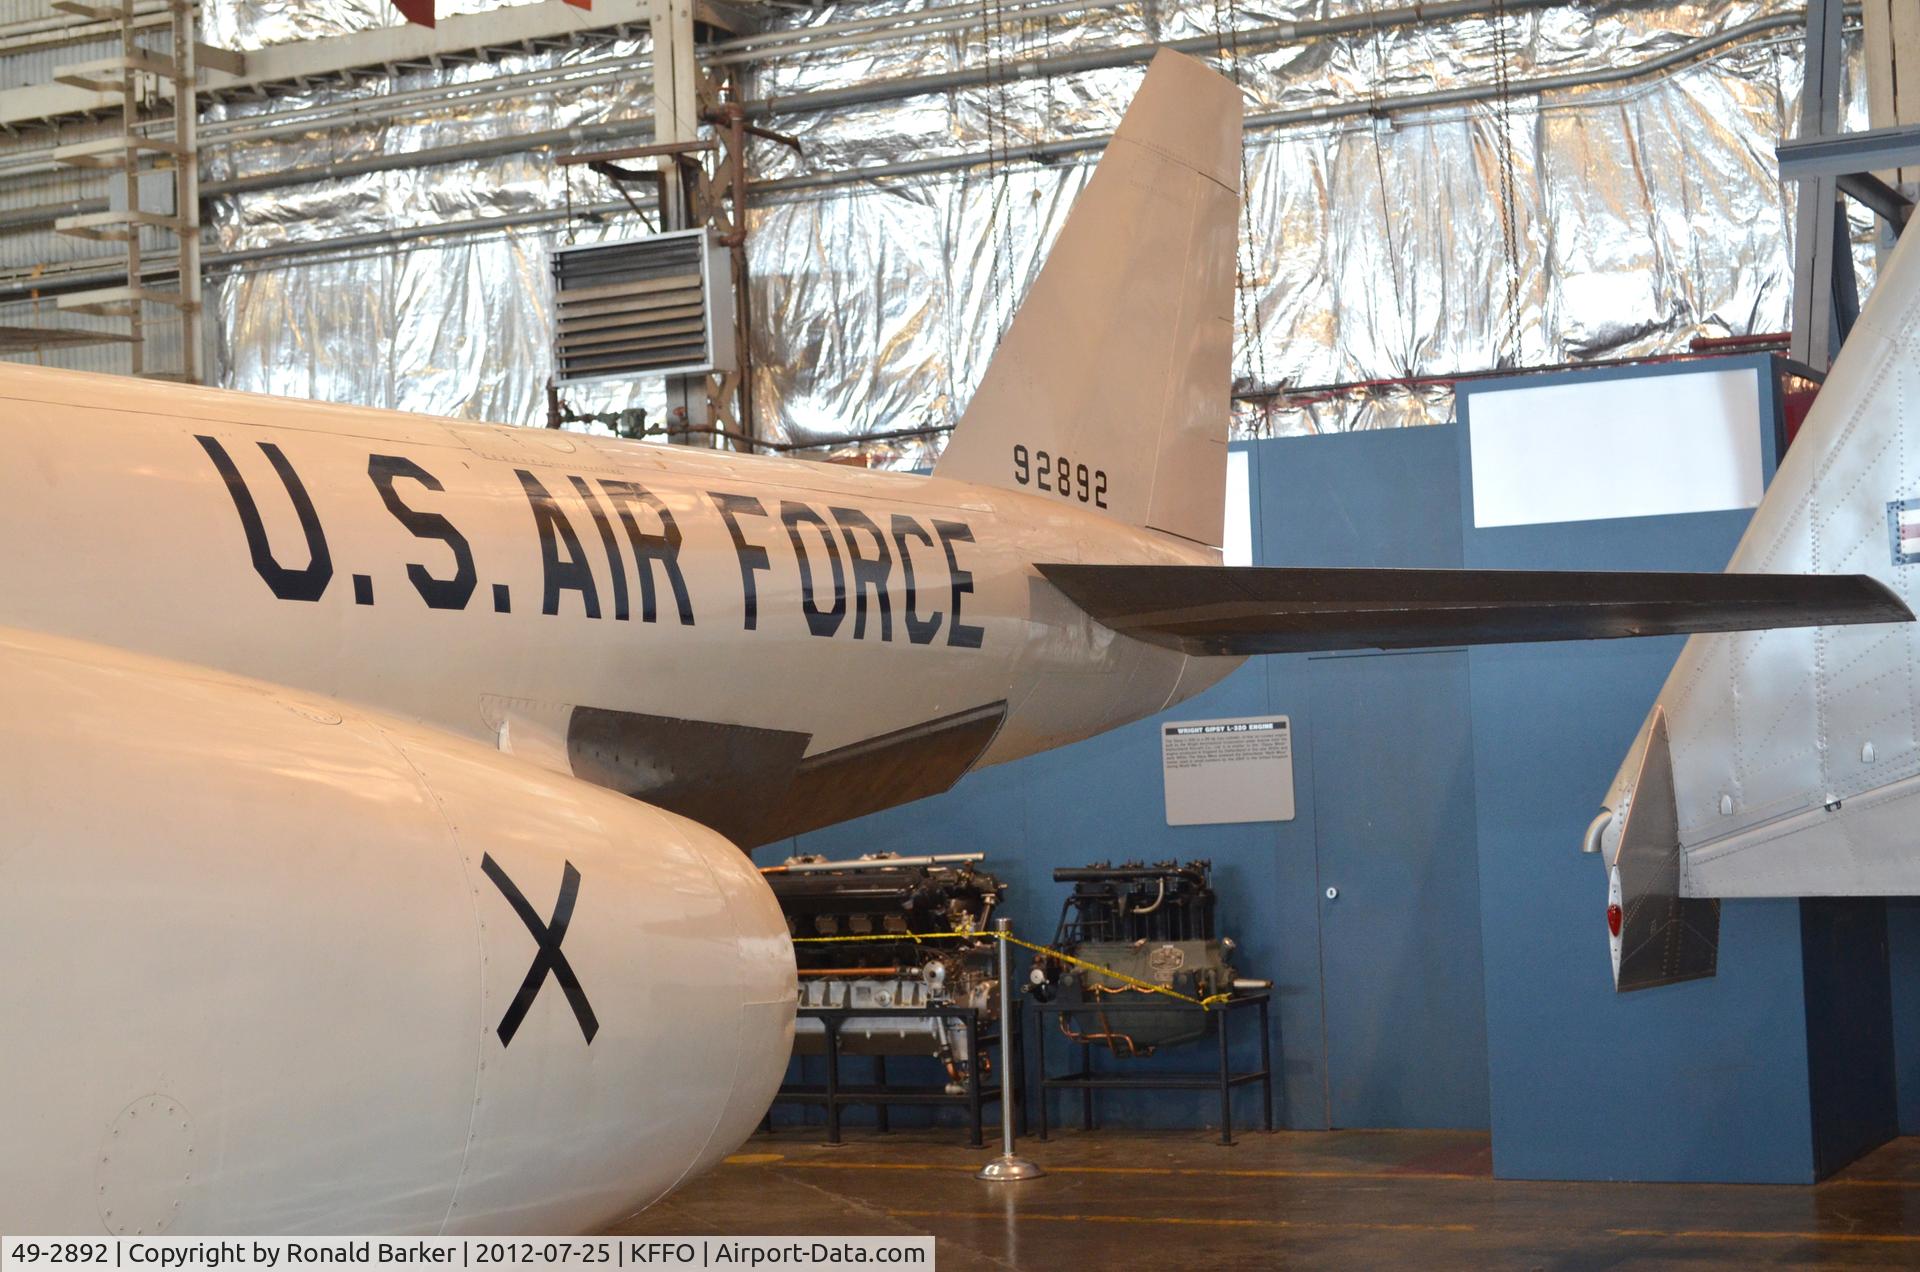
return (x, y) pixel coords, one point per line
(1057, 475)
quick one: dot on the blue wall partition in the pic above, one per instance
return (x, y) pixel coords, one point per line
(1458, 976)
(1712, 1080)
(1353, 1059)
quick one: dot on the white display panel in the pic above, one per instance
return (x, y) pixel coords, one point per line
(1233, 770)
(1237, 546)
(1646, 446)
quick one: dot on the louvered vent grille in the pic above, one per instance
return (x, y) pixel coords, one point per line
(661, 305)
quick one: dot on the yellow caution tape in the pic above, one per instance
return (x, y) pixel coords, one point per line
(1206, 1003)
(894, 936)
(1122, 977)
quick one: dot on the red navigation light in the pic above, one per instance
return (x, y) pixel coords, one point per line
(1613, 919)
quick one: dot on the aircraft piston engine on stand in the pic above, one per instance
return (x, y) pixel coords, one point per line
(891, 896)
(1154, 925)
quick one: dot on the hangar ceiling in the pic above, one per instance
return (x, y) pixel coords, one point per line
(1452, 188)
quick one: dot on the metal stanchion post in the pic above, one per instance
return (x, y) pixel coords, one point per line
(1007, 1168)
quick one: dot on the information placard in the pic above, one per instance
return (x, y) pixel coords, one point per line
(1238, 770)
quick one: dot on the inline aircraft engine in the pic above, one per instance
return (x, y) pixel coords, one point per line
(1154, 925)
(905, 898)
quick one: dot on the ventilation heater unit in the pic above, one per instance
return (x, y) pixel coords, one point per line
(659, 305)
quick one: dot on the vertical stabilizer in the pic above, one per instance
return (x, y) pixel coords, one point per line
(1110, 389)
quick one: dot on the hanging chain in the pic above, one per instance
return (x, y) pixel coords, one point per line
(1045, 128)
(1005, 255)
(1380, 170)
(993, 161)
(1046, 54)
(1509, 203)
(999, 157)
(566, 184)
(1226, 33)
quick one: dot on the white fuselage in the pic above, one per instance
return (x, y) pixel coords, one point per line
(375, 785)
(288, 691)
(128, 535)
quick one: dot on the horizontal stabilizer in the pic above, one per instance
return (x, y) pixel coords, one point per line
(1208, 609)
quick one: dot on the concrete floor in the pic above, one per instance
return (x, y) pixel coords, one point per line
(1345, 1199)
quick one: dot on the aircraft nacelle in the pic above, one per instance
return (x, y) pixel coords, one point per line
(282, 940)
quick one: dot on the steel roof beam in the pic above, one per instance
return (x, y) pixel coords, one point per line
(309, 61)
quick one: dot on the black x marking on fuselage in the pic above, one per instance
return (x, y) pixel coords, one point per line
(549, 959)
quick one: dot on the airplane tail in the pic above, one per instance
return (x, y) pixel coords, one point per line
(1794, 754)
(1110, 389)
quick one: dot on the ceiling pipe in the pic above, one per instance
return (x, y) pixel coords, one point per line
(35, 34)
(903, 23)
(30, 161)
(496, 147)
(881, 90)
(728, 52)
(406, 103)
(1049, 152)
(968, 18)
(1130, 55)
(46, 284)
(24, 162)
